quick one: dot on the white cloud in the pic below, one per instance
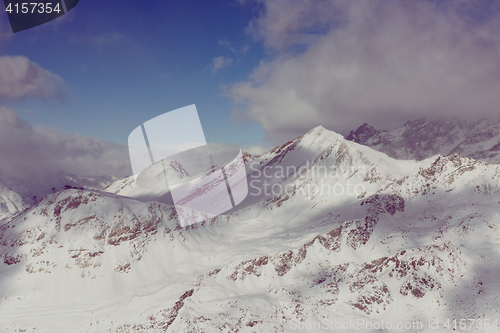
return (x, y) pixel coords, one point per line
(256, 149)
(221, 62)
(32, 158)
(20, 78)
(245, 48)
(287, 22)
(376, 61)
(28, 151)
(224, 43)
(227, 45)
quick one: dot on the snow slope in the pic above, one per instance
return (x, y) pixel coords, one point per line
(152, 183)
(387, 240)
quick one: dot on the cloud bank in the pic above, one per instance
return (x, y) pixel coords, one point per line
(342, 63)
(21, 78)
(28, 151)
(32, 153)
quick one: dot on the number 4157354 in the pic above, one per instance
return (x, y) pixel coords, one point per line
(33, 7)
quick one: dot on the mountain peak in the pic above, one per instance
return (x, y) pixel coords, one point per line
(317, 129)
(365, 133)
(321, 131)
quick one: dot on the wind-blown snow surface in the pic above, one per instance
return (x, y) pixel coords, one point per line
(405, 242)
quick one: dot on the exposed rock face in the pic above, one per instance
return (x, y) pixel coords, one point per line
(365, 135)
(423, 138)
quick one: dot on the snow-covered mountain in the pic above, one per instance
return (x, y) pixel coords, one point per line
(331, 233)
(420, 139)
(151, 184)
(34, 187)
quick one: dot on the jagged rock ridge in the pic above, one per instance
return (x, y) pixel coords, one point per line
(420, 139)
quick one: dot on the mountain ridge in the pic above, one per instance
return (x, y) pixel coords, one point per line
(417, 243)
(423, 138)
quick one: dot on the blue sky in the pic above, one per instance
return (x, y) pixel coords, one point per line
(125, 62)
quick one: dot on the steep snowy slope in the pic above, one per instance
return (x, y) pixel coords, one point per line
(10, 202)
(154, 187)
(424, 138)
(331, 230)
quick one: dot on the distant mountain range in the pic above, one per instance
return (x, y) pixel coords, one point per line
(331, 232)
(420, 139)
